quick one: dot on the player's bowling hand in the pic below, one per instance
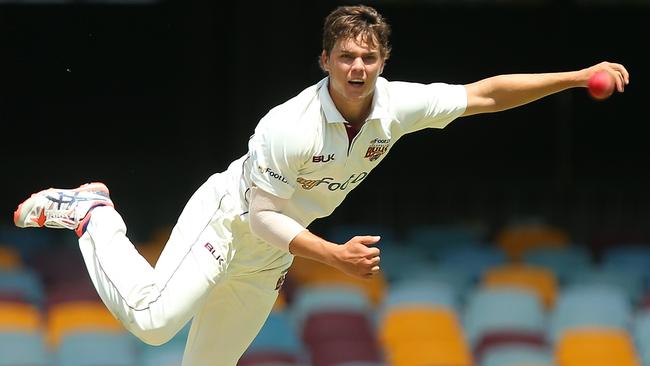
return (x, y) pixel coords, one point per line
(358, 257)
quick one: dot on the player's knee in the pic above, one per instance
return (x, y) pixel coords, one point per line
(154, 335)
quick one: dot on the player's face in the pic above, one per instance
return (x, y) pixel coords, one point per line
(353, 67)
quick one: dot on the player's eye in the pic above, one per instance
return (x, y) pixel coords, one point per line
(370, 59)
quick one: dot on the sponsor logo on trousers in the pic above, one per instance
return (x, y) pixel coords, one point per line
(212, 251)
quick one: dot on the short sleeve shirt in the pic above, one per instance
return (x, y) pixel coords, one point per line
(300, 150)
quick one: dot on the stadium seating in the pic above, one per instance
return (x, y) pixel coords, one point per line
(641, 334)
(596, 347)
(631, 282)
(89, 348)
(517, 355)
(23, 283)
(17, 316)
(562, 261)
(333, 297)
(539, 280)
(9, 258)
(22, 348)
(75, 317)
(509, 315)
(517, 238)
(581, 306)
(421, 292)
(278, 337)
(423, 335)
(305, 272)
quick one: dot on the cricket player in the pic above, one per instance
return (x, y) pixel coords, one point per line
(237, 235)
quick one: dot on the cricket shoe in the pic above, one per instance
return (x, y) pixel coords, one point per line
(62, 208)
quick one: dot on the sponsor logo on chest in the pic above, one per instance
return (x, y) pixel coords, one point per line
(330, 183)
(322, 158)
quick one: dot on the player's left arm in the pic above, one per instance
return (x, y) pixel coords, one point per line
(503, 92)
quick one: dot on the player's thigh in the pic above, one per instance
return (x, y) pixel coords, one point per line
(208, 212)
(230, 319)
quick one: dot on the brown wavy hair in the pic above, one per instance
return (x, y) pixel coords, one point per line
(356, 21)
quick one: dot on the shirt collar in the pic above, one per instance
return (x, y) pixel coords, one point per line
(378, 110)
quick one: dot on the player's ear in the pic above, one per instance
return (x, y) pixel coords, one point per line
(323, 61)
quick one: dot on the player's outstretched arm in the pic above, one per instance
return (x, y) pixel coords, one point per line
(503, 92)
(356, 258)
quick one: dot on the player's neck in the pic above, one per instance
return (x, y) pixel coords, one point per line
(354, 112)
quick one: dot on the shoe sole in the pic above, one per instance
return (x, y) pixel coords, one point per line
(27, 205)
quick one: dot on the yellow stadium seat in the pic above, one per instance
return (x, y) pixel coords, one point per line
(16, 316)
(9, 258)
(308, 272)
(68, 317)
(515, 240)
(415, 322)
(416, 335)
(596, 347)
(430, 353)
(542, 281)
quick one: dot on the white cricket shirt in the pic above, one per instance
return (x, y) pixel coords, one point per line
(300, 149)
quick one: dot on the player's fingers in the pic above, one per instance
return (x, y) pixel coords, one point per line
(374, 261)
(368, 239)
(373, 271)
(625, 75)
(372, 252)
(620, 82)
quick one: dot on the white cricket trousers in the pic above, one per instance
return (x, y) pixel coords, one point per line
(212, 270)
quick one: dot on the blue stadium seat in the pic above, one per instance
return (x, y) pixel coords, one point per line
(436, 240)
(473, 260)
(278, 335)
(641, 334)
(23, 349)
(25, 282)
(97, 348)
(398, 258)
(502, 309)
(309, 299)
(168, 354)
(592, 305)
(563, 261)
(421, 292)
(517, 356)
(461, 281)
(630, 282)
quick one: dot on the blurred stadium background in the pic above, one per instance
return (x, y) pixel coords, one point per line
(519, 238)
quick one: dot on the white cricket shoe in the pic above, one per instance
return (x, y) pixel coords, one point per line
(62, 208)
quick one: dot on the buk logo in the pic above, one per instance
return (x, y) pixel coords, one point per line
(212, 251)
(322, 158)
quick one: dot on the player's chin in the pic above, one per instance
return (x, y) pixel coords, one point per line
(356, 93)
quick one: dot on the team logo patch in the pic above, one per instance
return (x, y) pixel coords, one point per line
(377, 148)
(283, 277)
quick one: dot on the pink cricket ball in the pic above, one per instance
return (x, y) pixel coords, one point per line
(600, 85)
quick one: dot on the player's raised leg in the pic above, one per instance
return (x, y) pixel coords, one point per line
(151, 303)
(62, 208)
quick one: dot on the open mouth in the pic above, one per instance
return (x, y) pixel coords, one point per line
(356, 82)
